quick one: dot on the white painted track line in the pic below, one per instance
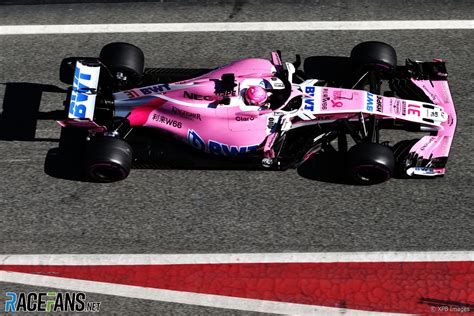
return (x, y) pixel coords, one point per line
(237, 27)
(138, 259)
(209, 300)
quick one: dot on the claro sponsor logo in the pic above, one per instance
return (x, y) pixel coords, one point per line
(244, 118)
(185, 114)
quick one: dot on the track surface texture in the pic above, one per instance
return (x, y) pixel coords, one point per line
(209, 211)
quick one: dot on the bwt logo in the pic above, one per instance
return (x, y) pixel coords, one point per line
(309, 103)
(370, 102)
(217, 148)
(49, 302)
(79, 94)
(156, 89)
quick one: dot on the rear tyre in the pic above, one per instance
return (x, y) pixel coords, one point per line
(107, 159)
(123, 58)
(370, 163)
(66, 70)
(377, 55)
(68, 67)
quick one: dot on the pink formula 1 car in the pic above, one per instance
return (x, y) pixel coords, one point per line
(264, 111)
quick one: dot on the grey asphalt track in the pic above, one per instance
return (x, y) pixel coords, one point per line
(238, 11)
(190, 211)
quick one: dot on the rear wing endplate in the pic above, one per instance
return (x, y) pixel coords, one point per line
(84, 91)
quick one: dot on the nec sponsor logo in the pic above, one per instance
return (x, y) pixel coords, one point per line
(165, 120)
(217, 148)
(370, 102)
(79, 94)
(194, 96)
(309, 102)
(379, 104)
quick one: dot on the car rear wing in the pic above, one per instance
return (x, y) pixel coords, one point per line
(84, 91)
(83, 96)
(429, 155)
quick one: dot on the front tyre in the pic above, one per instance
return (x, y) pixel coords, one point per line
(375, 55)
(370, 163)
(107, 159)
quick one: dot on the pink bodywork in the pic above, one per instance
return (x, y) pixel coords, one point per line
(430, 147)
(190, 110)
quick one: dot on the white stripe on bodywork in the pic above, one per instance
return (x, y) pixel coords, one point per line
(193, 104)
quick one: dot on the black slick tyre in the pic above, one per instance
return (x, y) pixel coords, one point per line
(374, 54)
(124, 58)
(107, 159)
(369, 163)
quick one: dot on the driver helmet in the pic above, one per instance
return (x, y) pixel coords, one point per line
(256, 95)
